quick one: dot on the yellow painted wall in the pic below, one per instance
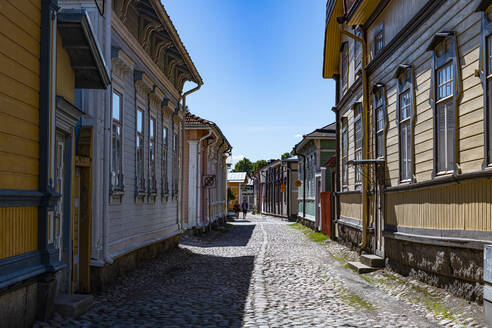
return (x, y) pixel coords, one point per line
(464, 206)
(234, 186)
(20, 23)
(65, 77)
(351, 206)
(18, 230)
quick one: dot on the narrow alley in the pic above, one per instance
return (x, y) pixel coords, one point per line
(258, 272)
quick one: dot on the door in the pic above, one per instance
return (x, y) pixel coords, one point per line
(318, 204)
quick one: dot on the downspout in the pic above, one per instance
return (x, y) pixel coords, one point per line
(365, 144)
(107, 136)
(217, 168)
(181, 171)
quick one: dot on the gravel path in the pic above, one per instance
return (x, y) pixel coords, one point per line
(260, 273)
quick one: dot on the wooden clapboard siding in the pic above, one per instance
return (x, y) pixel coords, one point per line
(19, 93)
(464, 206)
(351, 206)
(18, 230)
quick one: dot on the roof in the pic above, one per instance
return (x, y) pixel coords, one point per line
(194, 121)
(236, 177)
(327, 132)
(157, 4)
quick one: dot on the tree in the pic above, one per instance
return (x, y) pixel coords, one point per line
(230, 195)
(285, 155)
(243, 165)
(259, 164)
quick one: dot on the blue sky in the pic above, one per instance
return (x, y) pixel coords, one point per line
(261, 63)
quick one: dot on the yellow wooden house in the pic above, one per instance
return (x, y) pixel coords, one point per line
(47, 53)
(413, 107)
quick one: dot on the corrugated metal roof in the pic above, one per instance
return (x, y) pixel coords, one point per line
(236, 177)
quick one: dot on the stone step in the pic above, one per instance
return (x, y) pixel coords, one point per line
(73, 305)
(360, 268)
(372, 260)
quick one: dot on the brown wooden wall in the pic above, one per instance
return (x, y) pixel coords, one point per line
(351, 206)
(464, 206)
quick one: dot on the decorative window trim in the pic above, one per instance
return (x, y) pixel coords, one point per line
(380, 87)
(344, 75)
(344, 179)
(119, 189)
(358, 119)
(358, 51)
(484, 68)
(452, 56)
(380, 30)
(152, 176)
(403, 86)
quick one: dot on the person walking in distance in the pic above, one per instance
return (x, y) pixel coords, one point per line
(236, 209)
(244, 206)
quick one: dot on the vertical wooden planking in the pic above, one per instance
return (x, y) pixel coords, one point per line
(18, 230)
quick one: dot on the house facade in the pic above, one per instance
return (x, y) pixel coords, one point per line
(276, 190)
(41, 151)
(137, 195)
(205, 173)
(314, 151)
(413, 115)
(235, 182)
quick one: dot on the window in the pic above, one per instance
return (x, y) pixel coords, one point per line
(165, 186)
(379, 40)
(175, 163)
(486, 76)
(357, 50)
(380, 117)
(446, 83)
(116, 146)
(153, 180)
(358, 143)
(488, 93)
(405, 115)
(344, 154)
(345, 66)
(140, 151)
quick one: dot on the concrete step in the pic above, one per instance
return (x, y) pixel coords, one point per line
(73, 305)
(372, 260)
(360, 268)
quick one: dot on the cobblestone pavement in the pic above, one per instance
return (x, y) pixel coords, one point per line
(260, 273)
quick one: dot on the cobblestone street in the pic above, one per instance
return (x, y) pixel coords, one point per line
(259, 273)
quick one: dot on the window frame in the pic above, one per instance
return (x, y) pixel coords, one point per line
(358, 120)
(357, 51)
(485, 66)
(405, 83)
(379, 88)
(152, 166)
(438, 62)
(379, 32)
(119, 186)
(345, 152)
(164, 159)
(345, 66)
(175, 178)
(140, 181)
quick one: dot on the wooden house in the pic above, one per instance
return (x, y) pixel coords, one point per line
(235, 182)
(413, 109)
(205, 173)
(314, 151)
(49, 52)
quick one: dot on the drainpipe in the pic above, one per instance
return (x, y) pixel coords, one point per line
(217, 194)
(107, 136)
(365, 144)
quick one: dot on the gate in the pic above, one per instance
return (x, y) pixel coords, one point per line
(326, 217)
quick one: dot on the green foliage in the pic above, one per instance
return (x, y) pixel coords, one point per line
(259, 164)
(314, 236)
(285, 155)
(243, 165)
(230, 195)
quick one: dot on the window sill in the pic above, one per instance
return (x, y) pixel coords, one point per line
(141, 193)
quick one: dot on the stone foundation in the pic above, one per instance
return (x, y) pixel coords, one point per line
(103, 277)
(305, 222)
(27, 301)
(351, 237)
(459, 270)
